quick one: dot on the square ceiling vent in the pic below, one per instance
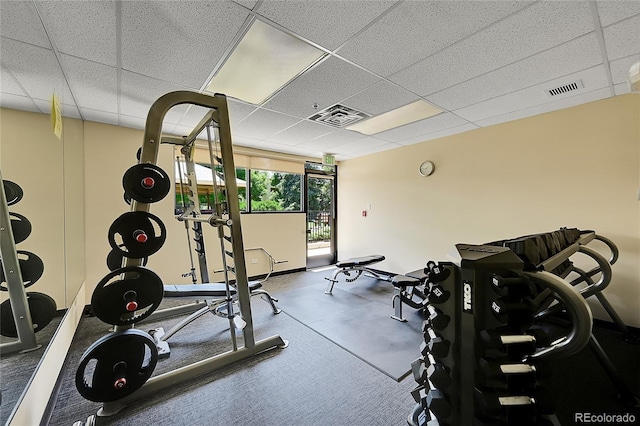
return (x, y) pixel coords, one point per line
(338, 116)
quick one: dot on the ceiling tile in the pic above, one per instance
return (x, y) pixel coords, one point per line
(327, 83)
(36, 69)
(621, 89)
(249, 4)
(179, 42)
(238, 111)
(44, 105)
(327, 23)
(99, 116)
(417, 29)
(139, 92)
(93, 22)
(8, 84)
(94, 85)
(300, 132)
(533, 30)
(362, 144)
(24, 103)
(614, 11)
(379, 98)
(593, 78)
(620, 68)
(379, 148)
(568, 58)
(622, 38)
(333, 139)
(594, 95)
(442, 133)
(19, 21)
(132, 122)
(422, 127)
(263, 123)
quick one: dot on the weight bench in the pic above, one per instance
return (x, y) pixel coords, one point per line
(216, 291)
(215, 295)
(358, 265)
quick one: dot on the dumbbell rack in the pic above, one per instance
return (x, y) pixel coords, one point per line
(19, 305)
(481, 365)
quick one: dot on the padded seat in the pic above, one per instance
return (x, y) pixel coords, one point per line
(360, 261)
(402, 281)
(215, 290)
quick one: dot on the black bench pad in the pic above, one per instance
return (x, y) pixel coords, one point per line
(360, 261)
(203, 290)
(403, 281)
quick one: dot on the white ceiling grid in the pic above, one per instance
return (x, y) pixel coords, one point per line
(482, 62)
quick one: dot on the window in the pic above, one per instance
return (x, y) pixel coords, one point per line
(204, 178)
(275, 191)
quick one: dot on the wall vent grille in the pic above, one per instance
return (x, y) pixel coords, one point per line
(566, 88)
(338, 116)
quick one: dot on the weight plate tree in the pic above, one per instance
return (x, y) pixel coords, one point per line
(23, 313)
(136, 235)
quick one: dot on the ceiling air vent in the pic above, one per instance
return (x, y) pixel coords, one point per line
(338, 116)
(560, 90)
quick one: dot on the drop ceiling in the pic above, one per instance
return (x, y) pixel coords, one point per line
(481, 62)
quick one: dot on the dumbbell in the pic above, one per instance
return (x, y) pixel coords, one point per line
(508, 310)
(436, 273)
(434, 344)
(438, 403)
(513, 285)
(436, 294)
(428, 368)
(494, 339)
(421, 417)
(495, 405)
(437, 318)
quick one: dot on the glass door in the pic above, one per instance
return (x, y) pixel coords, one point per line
(321, 220)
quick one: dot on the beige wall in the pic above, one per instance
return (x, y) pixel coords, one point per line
(34, 158)
(109, 152)
(577, 167)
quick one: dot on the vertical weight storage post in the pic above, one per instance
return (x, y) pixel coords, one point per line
(17, 295)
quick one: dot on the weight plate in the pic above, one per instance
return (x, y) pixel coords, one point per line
(114, 260)
(116, 365)
(127, 295)
(134, 235)
(12, 191)
(20, 226)
(31, 269)
(42, 307)
(146, 183)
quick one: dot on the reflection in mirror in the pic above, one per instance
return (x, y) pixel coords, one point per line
(46, 170)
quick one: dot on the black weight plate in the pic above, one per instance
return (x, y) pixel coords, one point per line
(42, 307)
(20, 226)
(114, 260)
(128, 227)
(133, 183)
(31, 269)
(111, 300)
(116, 365)
(12, 191)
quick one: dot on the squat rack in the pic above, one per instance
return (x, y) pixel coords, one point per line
(218, 115)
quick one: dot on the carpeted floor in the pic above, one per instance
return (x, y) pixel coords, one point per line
(311, 382)
(315, 381)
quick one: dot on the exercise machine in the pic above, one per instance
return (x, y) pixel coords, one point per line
(117, 369)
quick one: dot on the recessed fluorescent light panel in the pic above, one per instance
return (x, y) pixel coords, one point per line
(415, 111)
(262, 62)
